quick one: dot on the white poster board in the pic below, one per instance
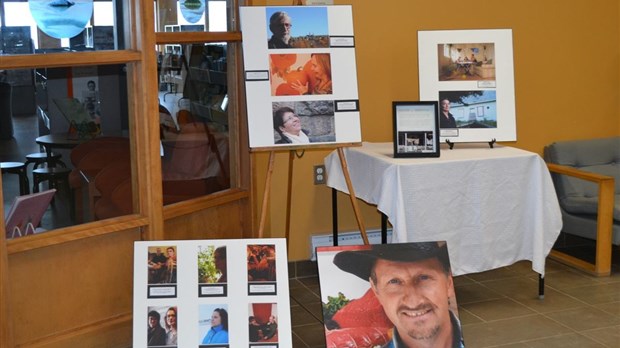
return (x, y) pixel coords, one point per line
(311, 72)
(204, 287)
(471, 72)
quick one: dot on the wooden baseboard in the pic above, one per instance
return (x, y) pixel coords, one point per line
(111, 332)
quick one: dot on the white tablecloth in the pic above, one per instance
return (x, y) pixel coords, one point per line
(493, 206)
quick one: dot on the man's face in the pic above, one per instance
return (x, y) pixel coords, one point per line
(414, 296)
(282, 29)
(152, 321)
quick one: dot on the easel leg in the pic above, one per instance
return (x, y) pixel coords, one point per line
(335, 216)
(289, 194)
(263, 213)
(358, 215)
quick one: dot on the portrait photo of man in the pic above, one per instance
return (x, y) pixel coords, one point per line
(413, 284)
(280, 24)
(297, 27)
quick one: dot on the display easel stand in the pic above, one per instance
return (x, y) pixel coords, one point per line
(263, 215)
(451, 144)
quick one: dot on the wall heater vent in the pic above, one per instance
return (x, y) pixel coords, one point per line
(347, 238)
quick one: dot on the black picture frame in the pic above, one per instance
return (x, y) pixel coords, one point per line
(416, 128)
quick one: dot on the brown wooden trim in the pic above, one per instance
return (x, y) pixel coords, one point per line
(6, 322)
(72, 233)
(301, 148)
(143, 82)
(162, 38)
(212, 200)
(55, 60)
(149, 214)
(58, 337)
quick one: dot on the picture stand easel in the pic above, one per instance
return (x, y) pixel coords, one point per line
(263, 215)
(451, 144)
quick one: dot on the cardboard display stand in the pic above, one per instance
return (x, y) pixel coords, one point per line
(196, 285)
(412, 294)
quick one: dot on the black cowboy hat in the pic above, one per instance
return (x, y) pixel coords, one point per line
(360, 262)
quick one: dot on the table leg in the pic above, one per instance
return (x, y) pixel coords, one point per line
(541, 287)
(383, 228)
(24, 184)
(49, 160)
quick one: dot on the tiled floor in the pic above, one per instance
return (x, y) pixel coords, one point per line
(500, 308)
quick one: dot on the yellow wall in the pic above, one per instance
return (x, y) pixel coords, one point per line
(566, 66)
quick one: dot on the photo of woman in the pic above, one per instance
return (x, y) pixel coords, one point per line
(218, 333)
(301, 74)
(288, 126)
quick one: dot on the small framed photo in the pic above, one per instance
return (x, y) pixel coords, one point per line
(416, 129)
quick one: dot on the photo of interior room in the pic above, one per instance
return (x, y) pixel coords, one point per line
(170, 160)
(466, 61)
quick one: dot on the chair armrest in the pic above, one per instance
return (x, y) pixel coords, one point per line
(605, 188)
(604, 219)
(581, 174)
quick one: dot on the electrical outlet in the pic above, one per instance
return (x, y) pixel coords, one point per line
(320, 176)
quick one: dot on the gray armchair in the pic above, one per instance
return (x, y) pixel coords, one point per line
(586, 175)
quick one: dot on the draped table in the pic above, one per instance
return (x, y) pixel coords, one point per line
(493, 206)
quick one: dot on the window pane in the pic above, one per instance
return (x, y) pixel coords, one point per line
(42, 26)
(80, 115)
(198, 15)
(194, 123)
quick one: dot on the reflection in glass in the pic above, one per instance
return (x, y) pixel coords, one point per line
(200, 15)
(61, 18)
(193, 106)
(96, 183)
(192, 10)
(72, 24)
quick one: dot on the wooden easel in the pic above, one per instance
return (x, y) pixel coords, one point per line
(345, 169)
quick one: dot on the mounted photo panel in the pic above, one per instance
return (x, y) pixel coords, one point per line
(388, 295)
(300, 76)
(470, 73)
(216, 293)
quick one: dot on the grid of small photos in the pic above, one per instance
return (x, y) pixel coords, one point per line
(200, 293)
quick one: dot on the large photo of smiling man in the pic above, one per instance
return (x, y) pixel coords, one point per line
(410, 282)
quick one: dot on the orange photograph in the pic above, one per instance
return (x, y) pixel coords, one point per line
(300, 74)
